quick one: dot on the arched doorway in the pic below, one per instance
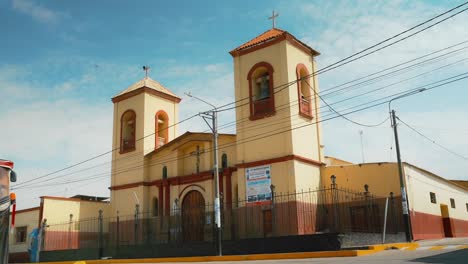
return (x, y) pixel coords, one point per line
(193, 216)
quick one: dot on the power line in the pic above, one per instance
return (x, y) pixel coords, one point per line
(325, 69)
(348, 59)
(433, 141)
(265, 135)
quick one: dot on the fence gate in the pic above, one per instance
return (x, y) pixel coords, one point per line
(193, 216)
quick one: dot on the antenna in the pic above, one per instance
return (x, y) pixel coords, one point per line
(136, 198)
(146, 69)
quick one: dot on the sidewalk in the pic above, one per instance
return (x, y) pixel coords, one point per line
(437, 244)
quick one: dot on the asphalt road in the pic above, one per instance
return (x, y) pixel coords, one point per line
(448, 256)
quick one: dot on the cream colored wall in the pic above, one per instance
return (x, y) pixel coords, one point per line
(90, 209)
(307, 177)
(247, 130)
(29, 219)
(305, 140)
(420, 184)
(152, 105)
(58, 211)
(381, 178)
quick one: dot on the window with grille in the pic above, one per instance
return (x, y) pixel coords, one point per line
(452, 202)
(21, 233)
(433, 197)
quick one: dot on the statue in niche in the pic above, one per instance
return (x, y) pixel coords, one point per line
(263, 84)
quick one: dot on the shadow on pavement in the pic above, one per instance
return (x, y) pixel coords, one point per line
(455, 257)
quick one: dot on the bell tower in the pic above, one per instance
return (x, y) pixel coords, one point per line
(277, 110)
(145, 118)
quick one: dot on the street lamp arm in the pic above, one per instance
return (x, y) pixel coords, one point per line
(199, 99)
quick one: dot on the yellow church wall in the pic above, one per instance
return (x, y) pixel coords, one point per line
(281, 173)
(125, 201)
(152, 105)
(382, 178)
(306, 141)
(271, 146)
(127, 167)
(28, 219)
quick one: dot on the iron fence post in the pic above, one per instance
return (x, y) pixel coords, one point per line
(273, 216)
(118, 232)
(101, 238)
(136, 218)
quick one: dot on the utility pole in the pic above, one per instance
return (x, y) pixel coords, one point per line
(404, 200)
(213, 115)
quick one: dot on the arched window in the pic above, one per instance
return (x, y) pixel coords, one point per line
(224, 161)
(304, 90)
(164, 173)
(161, 127)
(127, 131)
(262, 99)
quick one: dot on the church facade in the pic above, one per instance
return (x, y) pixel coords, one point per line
(160, 171)
(273, 176)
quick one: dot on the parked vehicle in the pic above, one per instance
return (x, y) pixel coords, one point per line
(7, 175)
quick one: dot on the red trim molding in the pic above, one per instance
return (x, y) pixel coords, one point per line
(178, 180)
(270, 103)
(28, 210)
(191, 185)
(305, 108)
(146, 90)
(280, 159)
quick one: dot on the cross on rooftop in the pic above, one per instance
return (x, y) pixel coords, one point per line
(273, 17)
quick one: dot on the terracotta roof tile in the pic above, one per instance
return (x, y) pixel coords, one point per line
(268, 36)
(265, 36)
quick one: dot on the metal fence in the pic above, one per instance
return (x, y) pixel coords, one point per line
(326, 210)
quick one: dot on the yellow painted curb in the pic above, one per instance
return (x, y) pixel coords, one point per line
(298, 255)
(380, 247)
(437, 247)
(463, 247)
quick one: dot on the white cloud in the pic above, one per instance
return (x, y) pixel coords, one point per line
(37, 12)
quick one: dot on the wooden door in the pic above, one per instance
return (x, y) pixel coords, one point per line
(267, 223)
(193, 216)
(446, 220)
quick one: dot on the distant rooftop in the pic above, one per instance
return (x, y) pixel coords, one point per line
(89, 198)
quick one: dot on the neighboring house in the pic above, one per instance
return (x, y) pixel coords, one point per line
(26, 221)
(56, 211)
(438, 207)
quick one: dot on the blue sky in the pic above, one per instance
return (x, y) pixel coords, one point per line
(62, 61)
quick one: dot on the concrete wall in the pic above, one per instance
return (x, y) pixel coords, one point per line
(427, 218)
